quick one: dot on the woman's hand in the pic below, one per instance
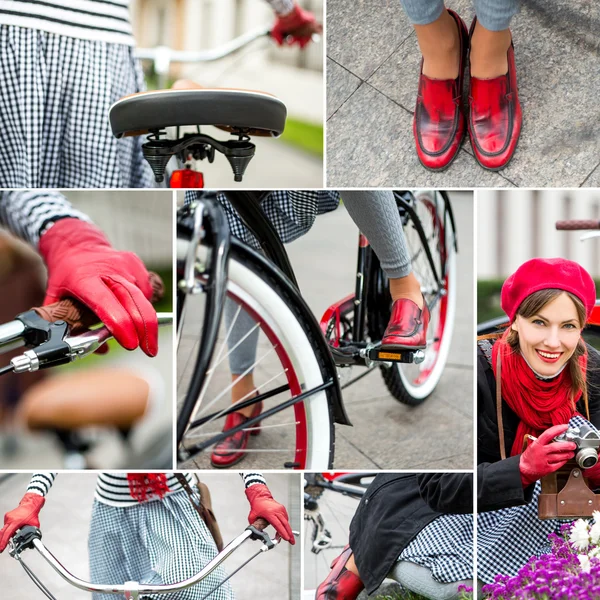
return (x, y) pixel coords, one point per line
(114, 285)
(25, 514)
(297, 27)
(263, 505)
(544, 455)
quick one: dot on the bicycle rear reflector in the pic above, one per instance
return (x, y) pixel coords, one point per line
(186, 178)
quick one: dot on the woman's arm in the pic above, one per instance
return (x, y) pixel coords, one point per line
(449, 493)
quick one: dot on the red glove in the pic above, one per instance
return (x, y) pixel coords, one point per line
(593, 474)
(114, 285)
(25, 514)
(545, 456)
(263, 505)
(297, 27)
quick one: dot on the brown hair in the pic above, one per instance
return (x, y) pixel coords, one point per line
(531, 306)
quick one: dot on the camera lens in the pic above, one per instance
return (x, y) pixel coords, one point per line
(587, 458)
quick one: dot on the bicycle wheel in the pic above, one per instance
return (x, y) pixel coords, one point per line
(289, 356)
(412, 383)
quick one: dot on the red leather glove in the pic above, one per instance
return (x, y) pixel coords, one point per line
(25, 514)
(545, 456)
(593, 474)
(297, 27)
(263, 505)
(114, 285)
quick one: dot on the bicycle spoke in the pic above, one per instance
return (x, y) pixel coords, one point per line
(208, 434)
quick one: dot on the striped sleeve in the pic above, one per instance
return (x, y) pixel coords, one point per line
(252, 478)
(282, 7)
(28, 214)
(41, 483)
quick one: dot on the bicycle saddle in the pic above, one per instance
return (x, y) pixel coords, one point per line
(256, 113)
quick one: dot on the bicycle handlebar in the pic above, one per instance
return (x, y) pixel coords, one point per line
(30, 537)
(577, 224)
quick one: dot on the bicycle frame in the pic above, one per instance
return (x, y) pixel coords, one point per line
(30, 538)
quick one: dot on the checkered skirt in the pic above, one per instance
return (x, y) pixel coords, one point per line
(162, 541)
(445, 547)
(508, 538)
(54, 101)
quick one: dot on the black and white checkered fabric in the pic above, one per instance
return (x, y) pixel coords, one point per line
(508, 538)
(27, 214)
(54, 100)
(162, 541)
(292, 213)
(281, 7)
(445, 547)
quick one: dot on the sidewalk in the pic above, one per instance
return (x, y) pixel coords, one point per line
(372, 75)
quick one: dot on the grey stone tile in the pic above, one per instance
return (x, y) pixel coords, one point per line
(594, 178)
(341, 84)
(381, 153)
(558, 74)
(361, 34)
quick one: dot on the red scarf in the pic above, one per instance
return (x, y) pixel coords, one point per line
(142, 486)
(538, 403)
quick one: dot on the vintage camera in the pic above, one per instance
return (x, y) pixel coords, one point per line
(588, 442)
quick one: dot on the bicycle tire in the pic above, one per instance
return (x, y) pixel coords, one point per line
(260, 289)
(408, 383)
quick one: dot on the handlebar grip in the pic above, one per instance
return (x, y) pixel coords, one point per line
(577, 224)
(260, 524)
(80, 317)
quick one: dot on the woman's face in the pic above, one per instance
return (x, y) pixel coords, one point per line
(548, 339)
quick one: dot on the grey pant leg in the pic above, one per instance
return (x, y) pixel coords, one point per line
(496, 15)
(422, 12)
(244, 356)
(376, 215)
(419, 579)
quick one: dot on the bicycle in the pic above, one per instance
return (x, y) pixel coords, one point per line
(56, 335)
(592, 328)
(242, 113)
(306, 353)
(30, 538)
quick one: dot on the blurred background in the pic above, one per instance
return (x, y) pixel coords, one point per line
(65, 523)
(71, 416)
(516, 225)
(295, 76)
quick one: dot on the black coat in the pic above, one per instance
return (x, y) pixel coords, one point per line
(499, 481)
(395, 508)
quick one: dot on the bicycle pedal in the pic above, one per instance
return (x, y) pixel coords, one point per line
(398, 356)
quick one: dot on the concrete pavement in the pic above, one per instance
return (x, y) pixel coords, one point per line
(372, 75)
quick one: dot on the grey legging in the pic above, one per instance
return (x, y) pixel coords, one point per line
(419, 579)
(376, 215)
(494, 15)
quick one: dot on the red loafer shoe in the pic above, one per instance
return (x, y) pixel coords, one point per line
(340, 584)
(231, 450)
(407, 327)
(439, 123)
(495, 116)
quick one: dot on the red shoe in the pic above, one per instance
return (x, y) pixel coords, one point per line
(407, 327)
(495, 116)
(439, 124)
(340, 584)
(231, 450)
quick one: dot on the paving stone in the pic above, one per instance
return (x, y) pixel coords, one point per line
(594, 179)
(341, 84)
(362, 34)
(380, 153)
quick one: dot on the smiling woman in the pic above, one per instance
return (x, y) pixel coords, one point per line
(535, 379)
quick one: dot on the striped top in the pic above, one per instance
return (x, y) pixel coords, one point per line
(96, 20)
(113, 488)
(29, 214)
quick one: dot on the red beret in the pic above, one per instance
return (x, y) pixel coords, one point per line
(545, 274)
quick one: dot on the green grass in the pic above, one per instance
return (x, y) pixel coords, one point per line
(305, 136)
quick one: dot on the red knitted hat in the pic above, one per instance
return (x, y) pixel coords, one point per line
(545, 274)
